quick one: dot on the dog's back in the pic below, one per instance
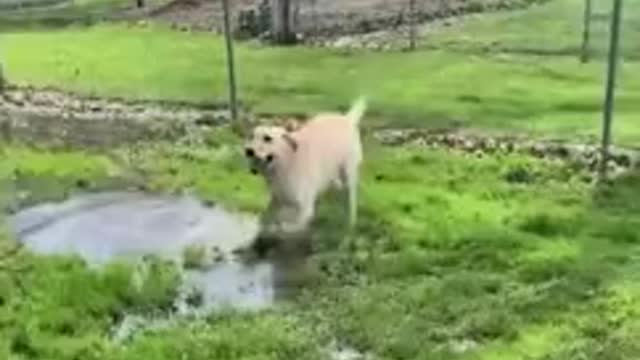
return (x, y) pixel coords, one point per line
(330, 143)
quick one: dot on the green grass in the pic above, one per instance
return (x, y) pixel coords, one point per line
(56, 308)
(452, 84)
(449, 251)
(553, 29)
(510, 257)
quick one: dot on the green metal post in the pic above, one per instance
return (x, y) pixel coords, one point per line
(412, 24)
(586, 32)
(2, 79)
(610, 86)
(230, 62)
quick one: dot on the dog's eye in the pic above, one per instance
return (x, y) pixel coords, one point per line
(267, 139)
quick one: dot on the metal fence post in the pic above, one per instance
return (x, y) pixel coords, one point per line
(614, 43)
(586, 31)
(2, 79)
(412, 24)
(230, 62)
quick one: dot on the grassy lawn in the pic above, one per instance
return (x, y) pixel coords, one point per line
(455, 256)
(552, 29)
(511, 257)
(508, 90)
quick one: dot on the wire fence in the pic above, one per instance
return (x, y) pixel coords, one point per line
(313, 19)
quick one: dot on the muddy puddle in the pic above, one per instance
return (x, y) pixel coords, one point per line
(122, 225)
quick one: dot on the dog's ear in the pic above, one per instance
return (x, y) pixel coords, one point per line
(291, 141)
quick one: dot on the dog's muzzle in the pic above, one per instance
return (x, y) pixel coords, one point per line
(257, 162)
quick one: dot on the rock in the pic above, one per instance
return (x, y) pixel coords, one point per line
(623, 159)
(420, 142)
(371, 46)
(468, 145)
(343, 42)
(489, 145)
(16, 98)
(463, 346)
(538, 150)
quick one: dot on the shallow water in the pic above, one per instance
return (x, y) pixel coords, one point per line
(122, 225)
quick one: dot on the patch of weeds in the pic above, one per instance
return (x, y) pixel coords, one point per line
(157, 286)
(406, 263)
(218, 175)
(621, 197)
(20, 343)
(551, 224)
(37, 176)
(618, 230)
(428, 266)
(195, 256)
(226, 336)
(545, 270)
(67, 308)
(520, 175)
(486, 249)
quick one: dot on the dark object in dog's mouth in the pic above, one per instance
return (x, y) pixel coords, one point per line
(254, 171)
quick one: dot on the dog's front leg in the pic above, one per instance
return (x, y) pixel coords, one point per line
(303, 213)
(270, 219)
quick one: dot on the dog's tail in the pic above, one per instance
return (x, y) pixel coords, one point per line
(357, 110)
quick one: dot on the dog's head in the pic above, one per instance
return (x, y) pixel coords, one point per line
(267, 146)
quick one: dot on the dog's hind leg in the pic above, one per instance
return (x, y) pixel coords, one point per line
(353, 201)
(350, 179)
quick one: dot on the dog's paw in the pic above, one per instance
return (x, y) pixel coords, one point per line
(263, 244)
(292, 228)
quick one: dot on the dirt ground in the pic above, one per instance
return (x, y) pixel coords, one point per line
(331, 17)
